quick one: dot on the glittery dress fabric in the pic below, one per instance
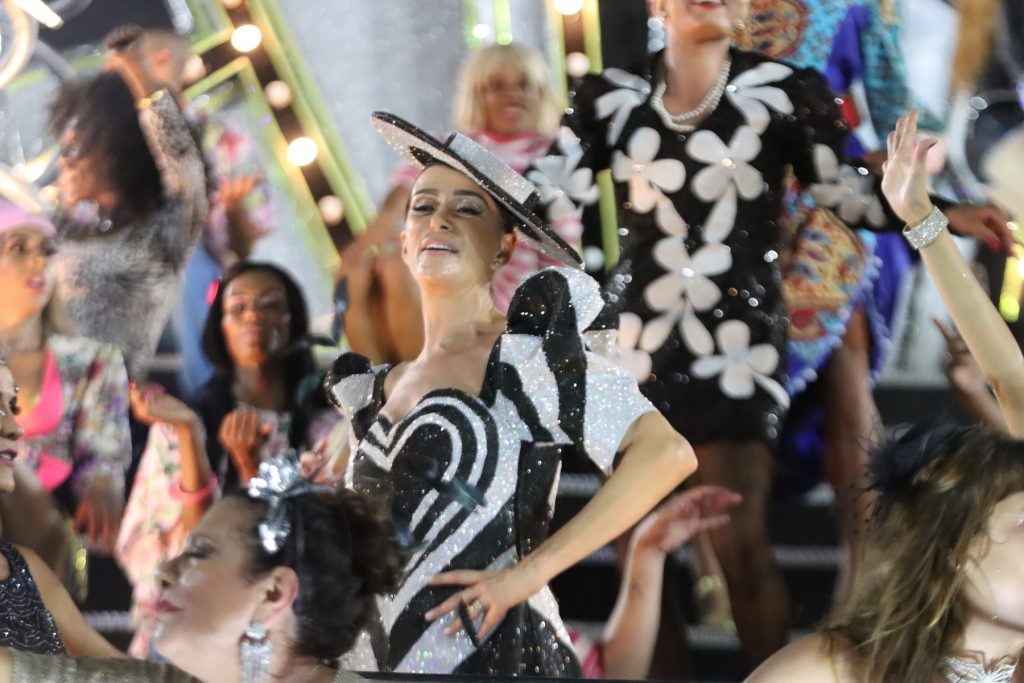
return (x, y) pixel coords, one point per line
(32, 668)
(120, 286)
(25, 623)
(698, 282)
(472, 479)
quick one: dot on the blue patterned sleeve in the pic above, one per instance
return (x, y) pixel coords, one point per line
(558, 326)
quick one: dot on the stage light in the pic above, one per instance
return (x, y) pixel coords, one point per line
(568, 7)
(331, 209)
(246, 38)
(481, 31)
(279, 94)
(39, 11)
(194, 70)
(302, 151)
(233, 4)
(577, 64)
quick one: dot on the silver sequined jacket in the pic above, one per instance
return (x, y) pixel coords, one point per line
(119, 287)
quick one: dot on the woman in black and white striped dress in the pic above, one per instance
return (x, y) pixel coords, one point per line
(465, 440)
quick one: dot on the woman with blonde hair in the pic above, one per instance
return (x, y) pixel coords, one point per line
(943, 598)
(504, 100)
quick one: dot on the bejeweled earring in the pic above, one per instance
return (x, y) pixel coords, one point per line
(257, 654)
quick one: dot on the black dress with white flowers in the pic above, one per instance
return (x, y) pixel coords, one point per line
(698, 282)
(471, 479)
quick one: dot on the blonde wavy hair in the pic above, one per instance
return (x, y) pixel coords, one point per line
(974, 40)
(907, 610)
(469, 116)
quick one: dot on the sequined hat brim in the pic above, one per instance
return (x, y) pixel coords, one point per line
(508, 188)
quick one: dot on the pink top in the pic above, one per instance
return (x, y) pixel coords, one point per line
(45, 417)
(518, 151)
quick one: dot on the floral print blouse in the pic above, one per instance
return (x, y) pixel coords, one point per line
(79, 428)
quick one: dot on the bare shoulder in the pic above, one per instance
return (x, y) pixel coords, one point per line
(813, 659)
(395, 374)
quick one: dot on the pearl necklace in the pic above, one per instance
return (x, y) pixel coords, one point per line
(957, 670)
(677, 122)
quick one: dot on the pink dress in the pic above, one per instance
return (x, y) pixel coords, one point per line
(518, 151)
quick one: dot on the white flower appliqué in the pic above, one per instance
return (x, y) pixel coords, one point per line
(650, 179)
(636, 362)
(631, 93)
(728, 165)
(846, 190)
(683, 291)
(751, 95)
(739, 366)
(563, 187)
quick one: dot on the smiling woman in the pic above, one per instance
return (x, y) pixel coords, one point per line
(464, 441)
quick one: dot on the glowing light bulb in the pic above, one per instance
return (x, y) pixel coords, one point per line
(279, 94)
(481, 31)
(568, 7)
(577, 64)
(302, 151)
(331, 209)
(246, 38)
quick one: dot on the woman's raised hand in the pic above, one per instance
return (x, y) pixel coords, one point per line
(242, 434)
(151, 403)
(905, 180)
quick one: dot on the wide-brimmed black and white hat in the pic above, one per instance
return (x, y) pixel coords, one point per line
(511, 190)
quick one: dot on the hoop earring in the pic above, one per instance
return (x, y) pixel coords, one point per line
(257, 654)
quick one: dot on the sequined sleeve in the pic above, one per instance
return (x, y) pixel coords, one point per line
(178, 160)
(817, 143)
(559, 327)
(102, 439)
(356, 389)
(32, 668)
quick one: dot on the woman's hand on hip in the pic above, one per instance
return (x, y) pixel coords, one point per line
(486, 598)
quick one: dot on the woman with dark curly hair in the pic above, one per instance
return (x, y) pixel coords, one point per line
(132, 203)
(273, 585)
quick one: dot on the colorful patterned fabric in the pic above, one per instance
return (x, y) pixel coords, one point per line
(80, 429)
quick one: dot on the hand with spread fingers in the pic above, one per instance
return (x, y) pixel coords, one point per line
(485, 599)
(683, 516)
(905, 182)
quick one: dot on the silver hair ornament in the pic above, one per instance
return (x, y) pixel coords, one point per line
(279, 480)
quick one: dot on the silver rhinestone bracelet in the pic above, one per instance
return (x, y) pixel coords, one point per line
(927, 231)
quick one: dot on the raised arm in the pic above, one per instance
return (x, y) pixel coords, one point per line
(632, 628)
(989, 339)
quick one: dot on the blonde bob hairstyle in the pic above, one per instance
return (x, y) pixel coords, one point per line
(481, 66)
